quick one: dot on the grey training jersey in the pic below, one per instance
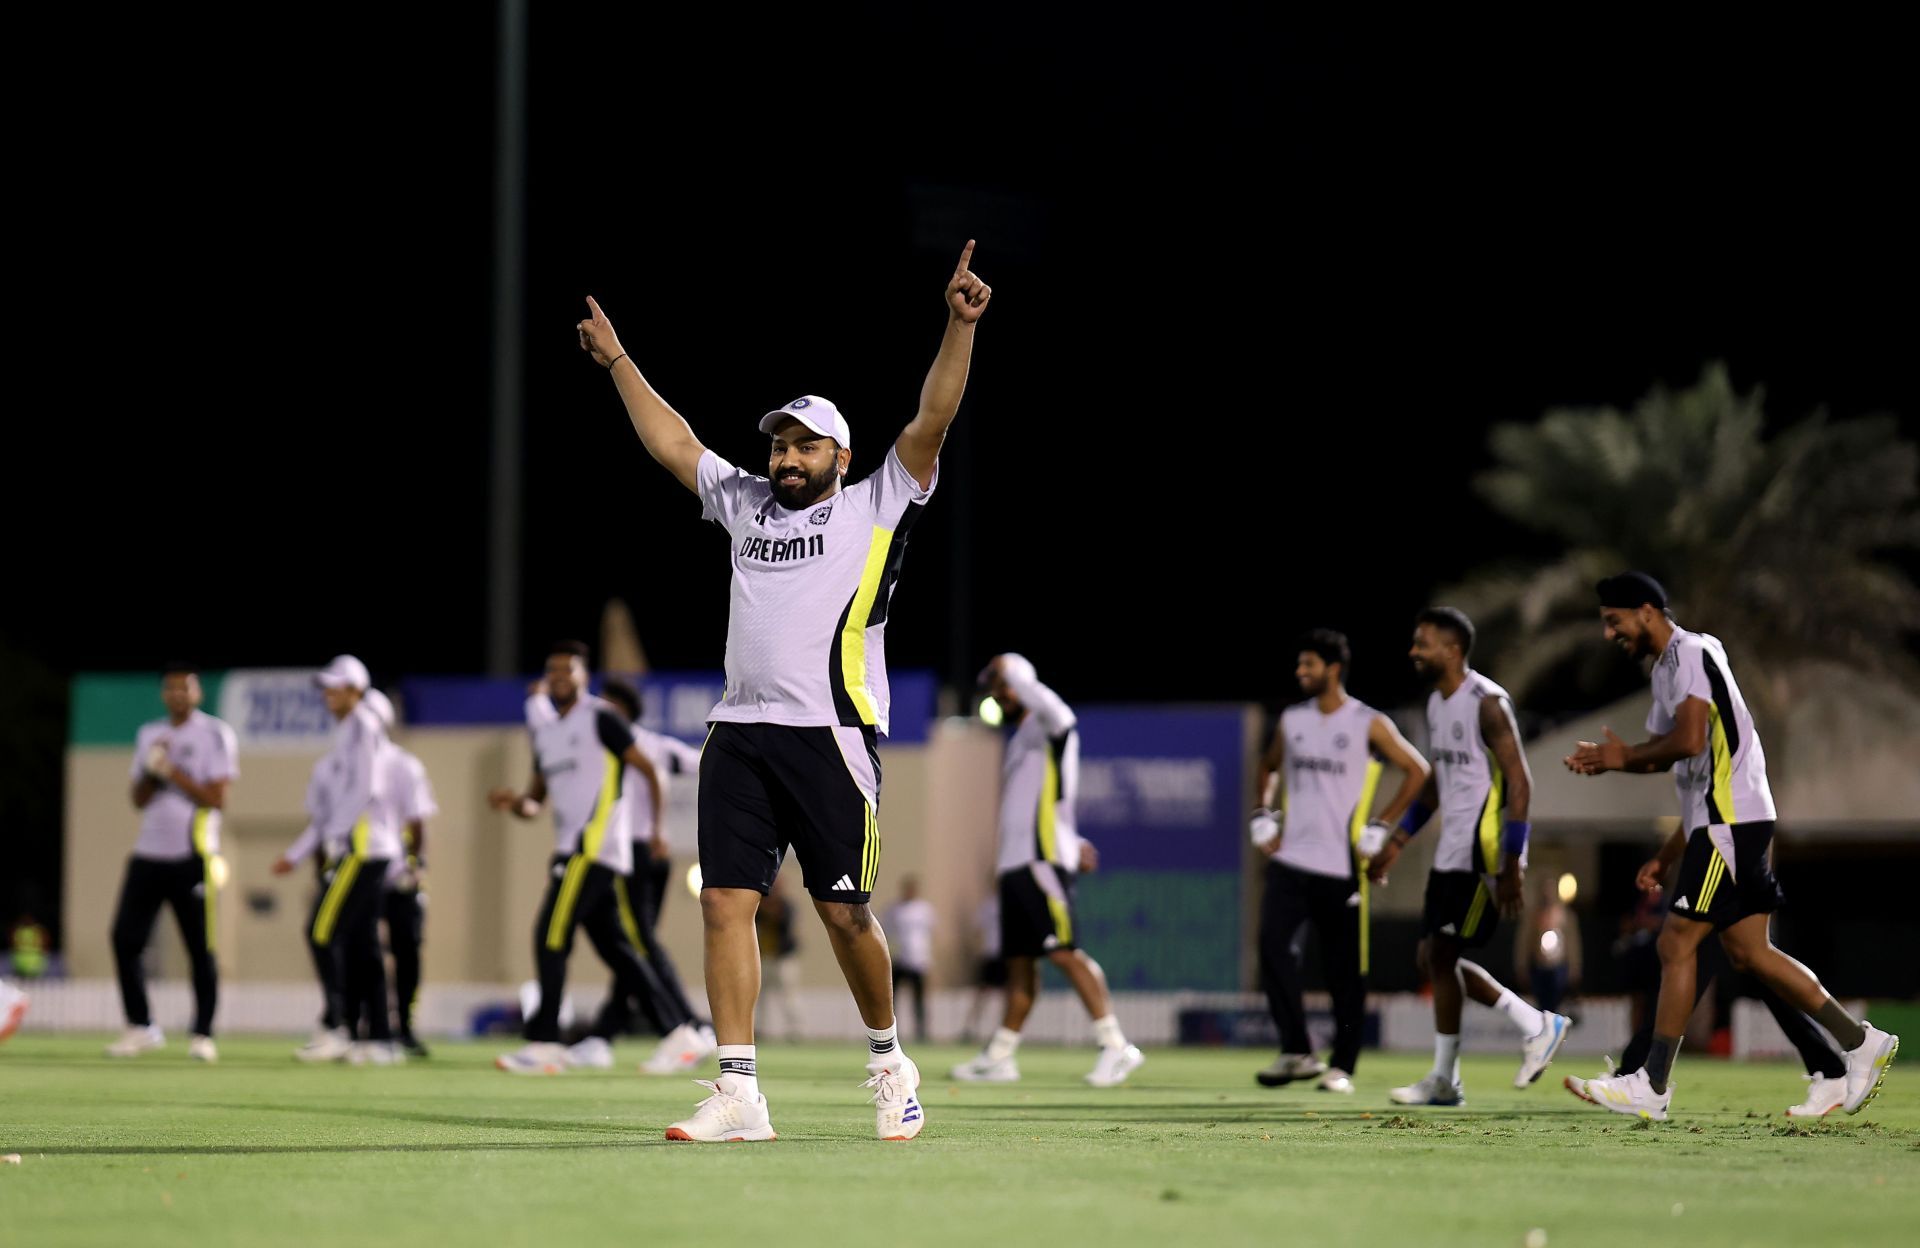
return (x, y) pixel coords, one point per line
(1039, 780)
(1332, 775)
(1473, 792)
(1726, 783)
(811, 589)
(581, 757)
(171, 826)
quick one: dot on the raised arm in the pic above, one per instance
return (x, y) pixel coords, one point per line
(919, 443)
(663, 431)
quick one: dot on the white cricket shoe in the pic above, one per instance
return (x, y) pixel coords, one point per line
(1824, 1095)
(1288, 1067)
(138, 1040)
(1537, 1051)
(1867, 1067)
(13, 1008)
(725, 1116)
(984, 1069)
(1434, 1089)
(539, 1057)
(593, 1053)
(1335, 1080)
(680, 1051)
(201, 1049)
(375, 1053)
(326, 1046)
(1629, 1094)
(1115, 1065)
(897, 1113)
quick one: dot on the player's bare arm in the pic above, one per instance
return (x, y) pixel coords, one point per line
(1688, 738)
(663, 431)
(1416, 775)
(1265, 828)
(919, 443)
(1498, 730)
(637, 760)
(1652, 876)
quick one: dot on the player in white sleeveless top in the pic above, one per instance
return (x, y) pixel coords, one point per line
(1041, 854)
(583, 750)
(1482, 789)
(1704, 734)
(1331, 750)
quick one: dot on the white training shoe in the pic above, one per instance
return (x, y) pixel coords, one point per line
(984, 1069)
(539, 1057)
(13, 1008)
(1288, 1067)
(138, 1040)
(725, 1116)
(1824, 1095)
(1536, 1052)
(680, 1050)
(1629, 1094)
(1867, 1066)
(1335, 1080)
(326, 1046)
(1434, 1089)
(593, 1053)
(375, 1053)
(1115, 1065)
(897, 1112)
(201, 1049)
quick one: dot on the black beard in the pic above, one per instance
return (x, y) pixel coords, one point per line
(1427, 673)
(808, 492)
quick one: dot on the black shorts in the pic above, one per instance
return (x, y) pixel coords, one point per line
(993, 972)
(1707, 891)
(1460, 904)
(764, 787)
(1036, 911)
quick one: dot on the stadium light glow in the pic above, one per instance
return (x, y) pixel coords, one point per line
(990, 713)
(1569, 887)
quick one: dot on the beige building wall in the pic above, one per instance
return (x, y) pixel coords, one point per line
(488, 871)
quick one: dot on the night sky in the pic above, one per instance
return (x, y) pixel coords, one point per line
(1259, 293)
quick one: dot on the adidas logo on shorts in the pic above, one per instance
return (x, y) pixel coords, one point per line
(1682, 904)
(844, 885)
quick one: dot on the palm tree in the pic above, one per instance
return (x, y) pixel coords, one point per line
(1778, 544)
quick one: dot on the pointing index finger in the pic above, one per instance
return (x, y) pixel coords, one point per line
(966, 255)
(598, 315)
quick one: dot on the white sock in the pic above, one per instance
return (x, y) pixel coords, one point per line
(740, 1069)
(1522, 1015)
(884, 1046)
(1446, 1056)
(1003, 1044)
(1107, 1032)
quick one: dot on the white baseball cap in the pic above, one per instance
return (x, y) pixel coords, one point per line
(816, 413)
(345, 672)
(382, 707)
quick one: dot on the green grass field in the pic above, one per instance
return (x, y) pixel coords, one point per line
(261, 1150)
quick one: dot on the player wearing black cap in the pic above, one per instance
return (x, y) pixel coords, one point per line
(1705, 736)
